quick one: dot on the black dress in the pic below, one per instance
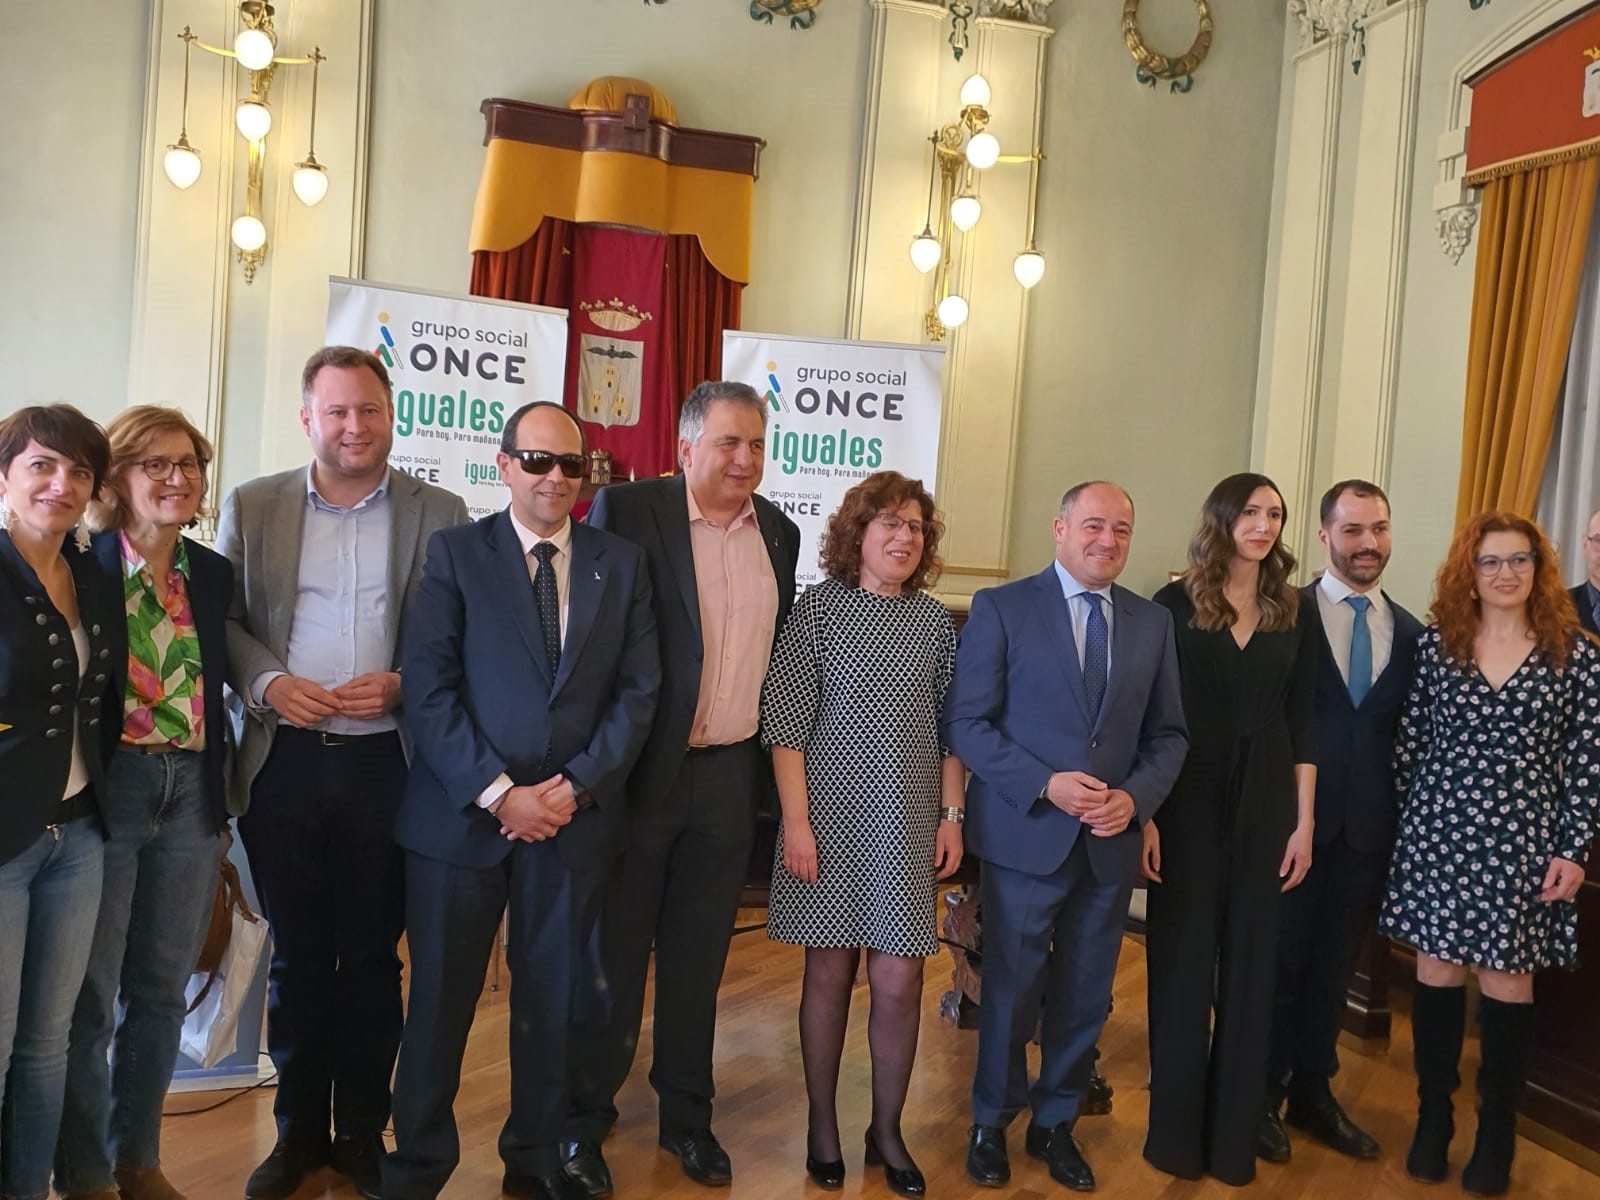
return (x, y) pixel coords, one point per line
(1496, 783)
(1212, 933)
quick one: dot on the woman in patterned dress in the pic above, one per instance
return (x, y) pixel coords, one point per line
(872, 802)
(1496, 757)
(164, 808)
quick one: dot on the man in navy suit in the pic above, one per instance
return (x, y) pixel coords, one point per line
(1586, 596)
(530, 672)
(1365, 653)
(1066, 707)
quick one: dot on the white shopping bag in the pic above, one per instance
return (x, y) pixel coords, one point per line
(210, 1030)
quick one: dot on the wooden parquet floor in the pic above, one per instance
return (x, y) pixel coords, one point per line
(761, 1113)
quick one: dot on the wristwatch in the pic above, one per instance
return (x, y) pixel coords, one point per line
(954, 815)
(580, 794)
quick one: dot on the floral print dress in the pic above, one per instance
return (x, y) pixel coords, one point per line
(1496, 783)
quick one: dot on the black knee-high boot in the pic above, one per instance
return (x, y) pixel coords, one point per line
(1438, 1023)
(1506, 1032)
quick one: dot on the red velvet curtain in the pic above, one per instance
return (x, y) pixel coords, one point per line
(701, 302)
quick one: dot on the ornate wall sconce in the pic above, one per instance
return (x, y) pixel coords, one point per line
(961, 150)
(255, 49)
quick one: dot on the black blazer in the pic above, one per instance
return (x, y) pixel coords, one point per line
(1580, 601)
(39, 688)
(481, 701)
(1356, 793)
(654, 514)
(210, 589)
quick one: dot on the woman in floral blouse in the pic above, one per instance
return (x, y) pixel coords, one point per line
(164, 811)
(1497, 757)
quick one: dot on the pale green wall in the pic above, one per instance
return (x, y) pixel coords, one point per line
(1142, 337)
(72, 90)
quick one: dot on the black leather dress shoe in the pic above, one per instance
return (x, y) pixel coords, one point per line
(541, 1187)
(703, 1158)
(583, 1164)
(358, 1158)
(902, 1181)
(988, 1164)
(1272, 1139)
(1326, 1121)
(1097, 1096)
(280, 1173)
(1060, 1153)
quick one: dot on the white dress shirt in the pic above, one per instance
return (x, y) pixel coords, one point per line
(561, 563)
(1078, 603)
(1339, 620)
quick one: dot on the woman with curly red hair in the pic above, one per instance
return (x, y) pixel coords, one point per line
(872, 802)
(1496, 757)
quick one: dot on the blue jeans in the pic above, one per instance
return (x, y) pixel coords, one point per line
(49, 897)
(162, 852)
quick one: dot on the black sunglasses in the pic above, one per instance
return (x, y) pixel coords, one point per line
(542, 462)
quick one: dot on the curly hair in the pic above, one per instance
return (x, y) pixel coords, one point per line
(1212, 549)
(131, 432)
(1455, 607)
(882, 492)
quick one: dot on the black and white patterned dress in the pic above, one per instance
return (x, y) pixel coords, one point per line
(857, 684)
(1496, 784)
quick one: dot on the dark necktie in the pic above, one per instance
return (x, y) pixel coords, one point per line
(1360, 674)
(548, 601)
(1096, 655)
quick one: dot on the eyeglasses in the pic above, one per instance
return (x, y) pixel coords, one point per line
(892, 524)
(1520, 562)
(161, 468)
(542, 462)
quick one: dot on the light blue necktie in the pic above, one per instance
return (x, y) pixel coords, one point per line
(1096, 655)
(1360, 681)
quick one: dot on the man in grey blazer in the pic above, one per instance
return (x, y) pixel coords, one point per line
(325, 560)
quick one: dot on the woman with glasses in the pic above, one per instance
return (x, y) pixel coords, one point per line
(872, 802)
(60, 633)
(164, 806)
(1496, 757)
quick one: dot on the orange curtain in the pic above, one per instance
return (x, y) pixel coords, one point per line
(1531, 238)
(702, 302)
(537, 272)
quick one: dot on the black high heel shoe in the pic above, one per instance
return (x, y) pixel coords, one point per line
(902, 1182)
(827, 1175)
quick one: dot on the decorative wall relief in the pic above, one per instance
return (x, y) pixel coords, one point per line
(802, 14)
(1454, 227)
(1150, 66)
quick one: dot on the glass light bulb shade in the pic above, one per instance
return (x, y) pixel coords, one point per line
(254, 49)
(975, 90)
(310, 182)
(182, 166)
(253, 118)
(925, 252)
(983, 150)
(249, 234)
(952, 311)
(1028, 267)
(965, 211)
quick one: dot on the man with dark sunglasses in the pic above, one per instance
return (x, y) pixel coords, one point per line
(530, 674)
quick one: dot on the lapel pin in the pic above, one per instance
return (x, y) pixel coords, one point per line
(597, 576)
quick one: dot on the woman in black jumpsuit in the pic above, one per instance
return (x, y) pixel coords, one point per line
(1234, 833)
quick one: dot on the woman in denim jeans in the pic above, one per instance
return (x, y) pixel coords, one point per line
(164, 807)
(60, 633)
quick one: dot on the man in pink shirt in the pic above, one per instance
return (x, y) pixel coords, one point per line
(722, 563)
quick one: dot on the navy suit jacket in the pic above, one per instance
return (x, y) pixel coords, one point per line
(210, 591)
(480, 699)
(1356, 794)
(1580, 601)
(1017, 713)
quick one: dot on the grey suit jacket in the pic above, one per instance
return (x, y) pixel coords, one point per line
(259, 531)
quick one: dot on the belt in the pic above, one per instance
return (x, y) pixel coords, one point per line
(698, 750)
(143, 748)
(325, 738)
(75, 807)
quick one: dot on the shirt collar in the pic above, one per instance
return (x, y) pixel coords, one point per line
(747, 513)
(1070, 587)
(317, 500)
(1336, 589)
(133, 562)
(561, 539)
(1593, 593)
